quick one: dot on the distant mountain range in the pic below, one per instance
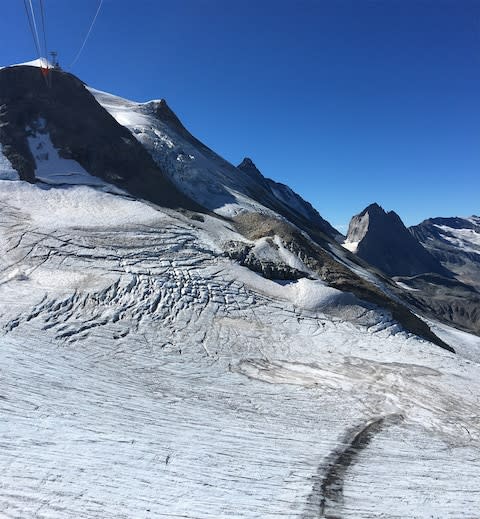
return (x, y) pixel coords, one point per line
(437, 261)
(455, 242)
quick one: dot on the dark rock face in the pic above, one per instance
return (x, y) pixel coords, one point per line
(80, 129)
(447, 300)
(455, 242)
(384, 242)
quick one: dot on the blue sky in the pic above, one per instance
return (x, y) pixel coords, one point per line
(347, 101)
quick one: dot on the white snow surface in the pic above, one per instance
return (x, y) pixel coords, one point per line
(55, 170)
(143, 374)
(351, 245)
(39, 62)
(6, 169)
(468, 240)
(74, 206)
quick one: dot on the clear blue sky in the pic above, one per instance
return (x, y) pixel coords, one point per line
(347, 101)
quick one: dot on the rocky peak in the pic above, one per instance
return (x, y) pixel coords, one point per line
(247, 166)
(165, 114)
(382, 239)
(374, 209)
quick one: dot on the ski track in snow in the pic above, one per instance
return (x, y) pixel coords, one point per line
(142, 377)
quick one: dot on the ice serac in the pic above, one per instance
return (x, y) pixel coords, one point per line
(455, 242)
(381, 239)
(65, 117)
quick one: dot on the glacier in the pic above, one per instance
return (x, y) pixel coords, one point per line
(142, 376)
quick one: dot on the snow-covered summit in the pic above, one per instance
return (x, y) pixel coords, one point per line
(39, 63)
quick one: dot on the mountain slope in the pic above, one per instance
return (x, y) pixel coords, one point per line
(145, 374)
(65, 119)
(455, 242)
(201, 173)
(252, 202)
(295, 208)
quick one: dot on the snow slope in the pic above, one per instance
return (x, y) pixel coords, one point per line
(6, 170)
(145, 375)
(197, 171)
(467, 238)
(53, 169)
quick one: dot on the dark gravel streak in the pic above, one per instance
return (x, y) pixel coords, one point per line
(327, 492)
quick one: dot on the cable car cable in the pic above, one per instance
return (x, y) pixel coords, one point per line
(36, 30)
(88, 34)
(44, 30)
(32, 29)
(47, 76)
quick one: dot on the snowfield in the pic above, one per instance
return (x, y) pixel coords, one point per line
(143, 374)
(467, 240)
(6, 170)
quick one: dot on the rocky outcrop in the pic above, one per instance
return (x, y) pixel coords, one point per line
(245, 255)
(381, 239)
(289, 204)
(80, 129)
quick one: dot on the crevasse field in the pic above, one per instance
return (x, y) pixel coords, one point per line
(143, 374)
